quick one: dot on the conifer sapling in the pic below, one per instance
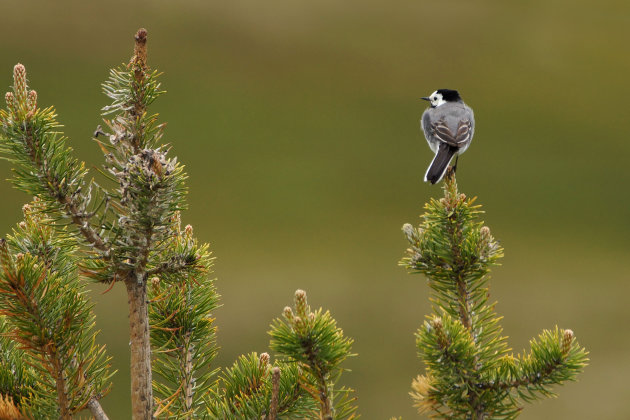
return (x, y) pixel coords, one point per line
(470, 371)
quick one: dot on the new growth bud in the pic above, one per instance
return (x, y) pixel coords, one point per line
(264, 360)
(19, 83)
(31, 101)
(436, 323)
(409, 232)
(440, 333)
(301, 307)
(484, 240)
(10, 100)
(288, 313)
(408, 229)
(5, 256)
(189, 230)
(487, 245)
(567, 340)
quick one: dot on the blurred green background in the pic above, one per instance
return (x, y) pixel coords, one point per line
(298, 124)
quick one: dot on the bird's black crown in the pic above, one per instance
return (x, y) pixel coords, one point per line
(449, 95)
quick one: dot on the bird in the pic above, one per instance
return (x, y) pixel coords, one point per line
(448, 125)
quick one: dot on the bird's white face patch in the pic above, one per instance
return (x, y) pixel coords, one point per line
(436, 99)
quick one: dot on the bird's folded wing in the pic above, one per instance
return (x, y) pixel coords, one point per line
(444, 134)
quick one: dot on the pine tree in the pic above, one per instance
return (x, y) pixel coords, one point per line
(470, 371)
(127, 229)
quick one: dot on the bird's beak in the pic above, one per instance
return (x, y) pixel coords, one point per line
(426, 98)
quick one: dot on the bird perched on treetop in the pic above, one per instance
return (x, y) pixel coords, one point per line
(448, 125)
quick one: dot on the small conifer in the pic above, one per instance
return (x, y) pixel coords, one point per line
(470, 371)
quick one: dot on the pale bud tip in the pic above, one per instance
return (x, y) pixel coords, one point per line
(19, 69)
(264, 359)
(32, 100)
(288, 313)
(567, 340)
(436, 322)
(300, 302)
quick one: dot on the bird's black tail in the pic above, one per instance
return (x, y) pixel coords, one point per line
(438, 166)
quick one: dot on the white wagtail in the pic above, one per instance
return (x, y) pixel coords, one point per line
(448, 126)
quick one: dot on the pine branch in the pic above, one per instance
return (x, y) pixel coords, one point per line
(245, 391)
(174, 265)
(97, 411)
(17, 379)
(46, 168)
(313, 340)
(303, 384)
(182, 330)
(554, 358)
(469, 373)
(50, 318)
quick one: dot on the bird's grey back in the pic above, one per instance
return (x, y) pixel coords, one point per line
(452, 113)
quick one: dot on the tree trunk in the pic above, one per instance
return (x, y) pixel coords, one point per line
(141, 387)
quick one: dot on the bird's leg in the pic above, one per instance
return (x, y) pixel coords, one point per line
(455, 166)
